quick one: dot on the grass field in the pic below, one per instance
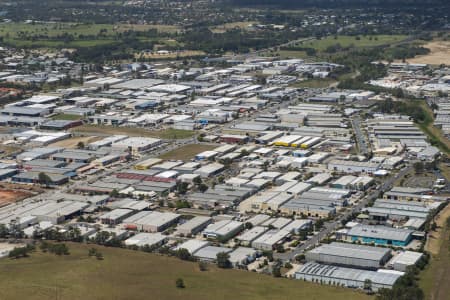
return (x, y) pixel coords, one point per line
(435, 279)
(434, 134)
(347, 41)
(187, 152)
(55, 29)
(66, 117)
(314, 83)
(85, 35)
(126, 274)
(132, 131)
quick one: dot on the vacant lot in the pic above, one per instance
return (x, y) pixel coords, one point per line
(126, 274)
(67, 117)
(10, 196)
(347, 41)
(439, 54)
(131, 131)
(187, 152)
(435, 279)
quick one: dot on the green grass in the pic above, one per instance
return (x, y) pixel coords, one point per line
(187, 152)
(314, 83)
(434, 134)
(46, 33)
(347, 41)
(66, 117)
(126, 274)
(131, 131)
(54, 29)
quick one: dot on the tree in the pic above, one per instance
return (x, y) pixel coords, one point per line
(418, 167)
(223, 260)
(183, 254)
(179, 283)
(44, 179)
(114, 193)
(368, 285)
(300, 258)
(80, 145)
(202, 266)
(276, 271)
(202, 187)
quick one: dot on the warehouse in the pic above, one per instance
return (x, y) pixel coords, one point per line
(298, 225)
(137, 144)
(379, 235)
(320, 179)
(192, 246)
(287, 140)
(115, 216)
(248, 236)
(148, 163)
(209, 253)
(209, 170)
(270, 239)
(269, 200)
(33, 177)
(351, 255)
(353, 182)
(277, 223)
(258, 219)
(52, 211)
(223, 230)
(306, 207)
(352, 278)
(129, 204)
(404, 259)
(151, 221)
(7, 173)
(206, 155)
(348, 166)
(151, 240)
(242, 256)
(193, 226)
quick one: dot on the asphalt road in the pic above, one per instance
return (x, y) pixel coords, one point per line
(359, 135)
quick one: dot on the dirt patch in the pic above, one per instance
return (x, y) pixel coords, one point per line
(11, 196)
(439, 54)
(72, 143)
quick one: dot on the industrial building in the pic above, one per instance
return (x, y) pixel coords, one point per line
(379, 235)
(223, 230)
(192, 245)
(270, 239)
(194, 225)
(351, 255)
(209, 253)
(115, 216)
(146, 239)
(151, 221)
(340, 276)
(405, 259)
(248, 236)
